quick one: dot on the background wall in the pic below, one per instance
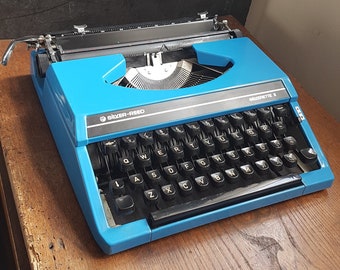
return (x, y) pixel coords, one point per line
(304, 36)
(20, 18)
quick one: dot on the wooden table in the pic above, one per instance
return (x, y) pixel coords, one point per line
(48, 231)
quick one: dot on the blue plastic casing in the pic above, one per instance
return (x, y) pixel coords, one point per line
(76, 89)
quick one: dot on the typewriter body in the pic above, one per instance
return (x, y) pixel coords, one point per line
(165, 127)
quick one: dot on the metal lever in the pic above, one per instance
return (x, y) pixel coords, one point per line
(220, 25)
(32, 41)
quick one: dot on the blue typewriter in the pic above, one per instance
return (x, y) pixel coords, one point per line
(163, 127)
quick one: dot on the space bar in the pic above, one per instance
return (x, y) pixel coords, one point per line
(192, 208)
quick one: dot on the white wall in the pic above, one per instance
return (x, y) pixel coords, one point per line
(304, 36)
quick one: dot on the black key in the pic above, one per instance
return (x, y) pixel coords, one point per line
(281, 110)
(279, 128)
(265, 131)
(162, 135)
(178, 132)
(126, 164)
(154, 176)
(251, 135)
(222, 122)
(207, 145)
(117, 186)
(221, 142)
(250, 116)
(276, 163)
(248, 153)
(261, 150)
(276, 147)
(160, 155)
(308, 155)
(125, 205)
(262, 167)
(210, 203)
(193, 128)
(232, 175)
(171, 172)
(143, 160)
(289, 143)
(217, 179)
(247, 171)
(129, 142)
(168, 192)
(151, 197)
(187, 168)
(185, 187)
(290, 160)
(191, 148)
(202, 164)
(207, 125)
(233, 158)
(202, 182)
(136, 181)
(236, 119)
(177, 152)
(110, 146)
(264, 113)
(218, 161)
(146, 138)
(237, 138)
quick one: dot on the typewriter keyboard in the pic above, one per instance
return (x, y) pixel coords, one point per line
(172, 173)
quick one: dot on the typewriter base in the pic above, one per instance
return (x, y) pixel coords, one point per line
(116, 239)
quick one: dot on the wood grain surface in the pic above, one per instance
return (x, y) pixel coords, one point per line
(302, 233)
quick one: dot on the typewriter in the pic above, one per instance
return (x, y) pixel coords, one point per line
(163, 127)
